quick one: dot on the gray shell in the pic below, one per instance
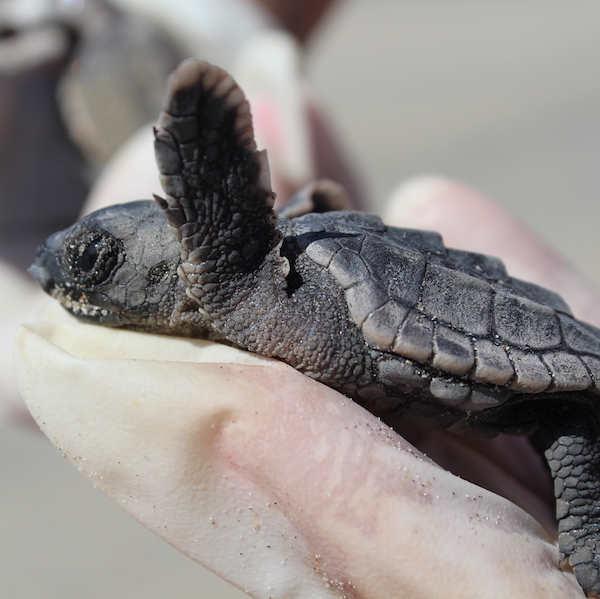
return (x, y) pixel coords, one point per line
(449, 322)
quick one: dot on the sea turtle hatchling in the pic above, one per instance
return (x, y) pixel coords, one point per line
(387, 316)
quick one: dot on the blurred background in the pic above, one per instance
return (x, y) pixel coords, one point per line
(502, 96)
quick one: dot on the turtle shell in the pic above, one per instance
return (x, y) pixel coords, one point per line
(458, 313)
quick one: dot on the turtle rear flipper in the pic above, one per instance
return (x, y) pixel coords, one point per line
(573, 455)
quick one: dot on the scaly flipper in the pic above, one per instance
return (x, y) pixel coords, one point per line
(219, 198)
(573, 454)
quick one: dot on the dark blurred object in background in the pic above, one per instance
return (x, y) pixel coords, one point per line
(42, 173)
(115, 82)
(73, 87)
(79, 77)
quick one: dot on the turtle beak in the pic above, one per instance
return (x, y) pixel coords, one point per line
(45, 268)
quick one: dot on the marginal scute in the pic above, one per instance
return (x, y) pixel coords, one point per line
(452, 351)
(482, 399)
(541, 295)
(321, 251)
(415, 337)
(568, 371)
(579, 336)
(363, 299)
(532, 374)
(184, 83)
(491, 363)
(486, 266)
(183, 129)
(348, 268)
(380, 328)
(460, 300)
(193, 243)
(593, 365)
(235, 96)
(394, 372)
(263, 180)
(524, 323)
(449, 391)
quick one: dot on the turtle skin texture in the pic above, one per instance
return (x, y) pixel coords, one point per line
(388, 316)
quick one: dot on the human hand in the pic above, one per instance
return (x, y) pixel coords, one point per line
(281, 485)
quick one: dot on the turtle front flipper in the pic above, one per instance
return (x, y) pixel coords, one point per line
(573, 454)
(219, 199)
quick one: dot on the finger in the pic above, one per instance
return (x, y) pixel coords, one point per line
(507, 466)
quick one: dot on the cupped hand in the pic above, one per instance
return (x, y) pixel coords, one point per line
(281, 485)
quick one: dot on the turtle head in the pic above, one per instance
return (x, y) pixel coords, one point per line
(116, 267)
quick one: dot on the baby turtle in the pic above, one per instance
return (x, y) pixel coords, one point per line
(387, 316)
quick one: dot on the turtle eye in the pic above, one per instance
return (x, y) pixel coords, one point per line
(89, 257)
(93, 258)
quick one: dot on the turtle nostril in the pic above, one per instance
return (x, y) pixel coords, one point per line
(49, 284)
(45, 268)
(42, 276)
